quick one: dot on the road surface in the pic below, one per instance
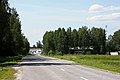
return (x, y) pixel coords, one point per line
(44, 68)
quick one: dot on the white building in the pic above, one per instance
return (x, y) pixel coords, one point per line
(35, 51)
(114, 53)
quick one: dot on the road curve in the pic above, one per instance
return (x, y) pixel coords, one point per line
(45, 68)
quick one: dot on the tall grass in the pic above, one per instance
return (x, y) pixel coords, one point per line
(7, 74)
(106, 62)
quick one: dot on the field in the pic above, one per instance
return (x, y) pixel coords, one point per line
(106, 62)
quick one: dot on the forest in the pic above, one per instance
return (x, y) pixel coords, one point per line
(12, 40)
(85, 39)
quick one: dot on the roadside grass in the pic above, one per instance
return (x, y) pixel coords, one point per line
(7, 73)
(106, 62)
(6, 70)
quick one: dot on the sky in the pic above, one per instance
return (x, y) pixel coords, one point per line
(40, 16)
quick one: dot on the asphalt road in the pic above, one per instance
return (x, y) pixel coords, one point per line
(44, 68)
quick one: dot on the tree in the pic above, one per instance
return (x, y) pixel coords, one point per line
(80, 37)
(15, 27)
(98, 40)
(48, 42)
(62, 40)
(34, 46)
(83, 38)
(12, 41)
(75, 38)
(39, 45)
(56, 41)
(4, 26)
(25, 46)
(116, 40)
(110, 45)
(69, 34)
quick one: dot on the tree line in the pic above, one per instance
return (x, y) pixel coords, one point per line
(12, 40)
(113, 42)
(94, 39)
(38, 45)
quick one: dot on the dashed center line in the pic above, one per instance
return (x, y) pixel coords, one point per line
(62, 69)
(83, 78)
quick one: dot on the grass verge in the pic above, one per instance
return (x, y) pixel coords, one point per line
(7, 73)
(106, 62)
(6, 70)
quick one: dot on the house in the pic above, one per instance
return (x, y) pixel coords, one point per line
(35, 51)
(80, 50)
(114, 53)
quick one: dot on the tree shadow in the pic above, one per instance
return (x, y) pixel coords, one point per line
(34, 61)
(45, 64)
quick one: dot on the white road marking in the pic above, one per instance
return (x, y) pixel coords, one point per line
(83, 78)
(62, 69)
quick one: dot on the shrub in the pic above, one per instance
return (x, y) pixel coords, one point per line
(58, 53)
(51, 52)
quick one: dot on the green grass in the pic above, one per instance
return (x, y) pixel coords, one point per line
(106, 62)
(6, 70)
(7, 73)
(10, 58)
(11, 63)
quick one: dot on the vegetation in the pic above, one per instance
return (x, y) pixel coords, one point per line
(13, 44)
(106, 62)
(113, 42)
(84, 39)
(38, 45)
(12, 41)
(7, 74)
(4, 59)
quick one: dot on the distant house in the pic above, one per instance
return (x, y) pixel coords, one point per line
(35, 51)
(80, 50)
(114, 53)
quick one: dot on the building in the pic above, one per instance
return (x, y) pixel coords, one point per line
(35, 51)
(114, 53)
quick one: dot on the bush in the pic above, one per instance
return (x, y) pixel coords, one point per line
(10, 58)
(14, 58)
(58, 53)
(51, 52)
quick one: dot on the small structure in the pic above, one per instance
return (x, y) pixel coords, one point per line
(35, 51)
(114, 53)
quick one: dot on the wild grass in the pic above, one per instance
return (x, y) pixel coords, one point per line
(7, 73)
(6, 70)
(106, 62)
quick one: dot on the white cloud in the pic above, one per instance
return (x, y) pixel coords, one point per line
(95, 8)
(113, 16)
(98, 8)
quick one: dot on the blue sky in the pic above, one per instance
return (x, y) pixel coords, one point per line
(40, 16)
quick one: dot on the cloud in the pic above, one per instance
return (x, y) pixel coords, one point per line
(100, 8)
(95, 8)
(113, 16)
